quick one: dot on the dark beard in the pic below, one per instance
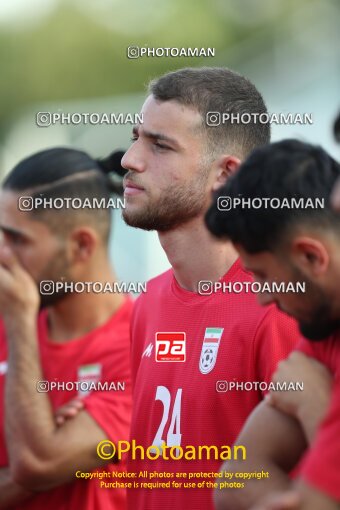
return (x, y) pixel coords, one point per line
(162, 221)
(51, 299)
(178, 205)
(317, 332)
(56, 270)
(322, 326)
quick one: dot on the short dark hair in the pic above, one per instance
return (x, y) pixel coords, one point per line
(214, 89)
(284, 170)
(66, 173)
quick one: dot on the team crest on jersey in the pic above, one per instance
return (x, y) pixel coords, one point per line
(211, 343)
(89, 374)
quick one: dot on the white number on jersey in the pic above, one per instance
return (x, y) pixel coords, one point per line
(174, 433)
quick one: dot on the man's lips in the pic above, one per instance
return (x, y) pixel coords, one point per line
(130, 188)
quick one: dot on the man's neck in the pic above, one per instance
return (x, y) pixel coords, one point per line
(195, 254)
(77, 314)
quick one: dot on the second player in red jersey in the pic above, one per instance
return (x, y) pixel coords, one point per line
(187, 403)
(176, 161)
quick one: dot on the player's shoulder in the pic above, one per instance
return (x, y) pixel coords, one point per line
(236, 294)
(119, 323)
(326, 351)
(157, 286)
(162, 279)
(238, 302)
(271, 316)
(124, 312)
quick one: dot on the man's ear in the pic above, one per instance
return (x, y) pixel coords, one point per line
(83, 243)
(310, 255)
(225, 166)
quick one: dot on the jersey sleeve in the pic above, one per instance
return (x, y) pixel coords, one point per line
(321, 464)
(305, 347)
(111, 409)
(276, 336)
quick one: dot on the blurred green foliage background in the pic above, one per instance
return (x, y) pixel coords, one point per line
(77, 49)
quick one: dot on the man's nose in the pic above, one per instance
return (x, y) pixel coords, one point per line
(133, 159)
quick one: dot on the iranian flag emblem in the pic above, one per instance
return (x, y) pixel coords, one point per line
(210, 347)
(89, 374)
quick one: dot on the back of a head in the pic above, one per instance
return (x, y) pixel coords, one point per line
(65, 173)
(298, 176)
(221, 91)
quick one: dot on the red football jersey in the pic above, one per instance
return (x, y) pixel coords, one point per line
(320, 467)
(224, 338)
(101, 355)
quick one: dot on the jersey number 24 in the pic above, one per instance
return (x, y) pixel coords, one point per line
(174, 435)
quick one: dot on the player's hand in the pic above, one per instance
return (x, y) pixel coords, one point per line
(18, 292)
(69, 410)
(289, 500)
(310, 405)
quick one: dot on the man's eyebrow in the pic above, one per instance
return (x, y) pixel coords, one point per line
(156, 136)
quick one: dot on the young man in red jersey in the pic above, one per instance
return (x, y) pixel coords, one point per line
(178, 157)
(291, 243)
(77, 341)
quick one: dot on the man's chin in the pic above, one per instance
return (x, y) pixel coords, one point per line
(317, 332)
(152, 221)
(138, 222)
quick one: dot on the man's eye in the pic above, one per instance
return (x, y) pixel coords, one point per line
(161, 146)
(16, 240)
(134, 138)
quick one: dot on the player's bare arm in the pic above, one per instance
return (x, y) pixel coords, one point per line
(274, 443)
(10, 492)
(302, 497)
(308, 407)
(41, 454)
